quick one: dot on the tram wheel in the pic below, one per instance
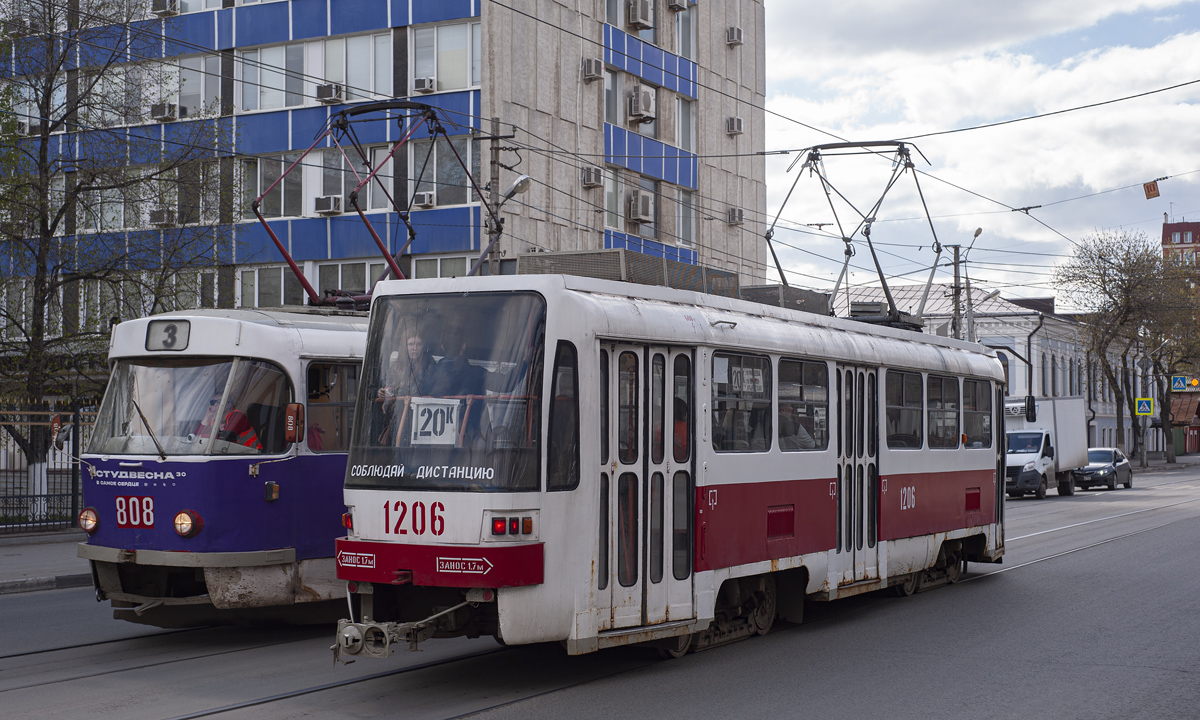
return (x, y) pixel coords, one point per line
(763, 616)
(1040, 493)
(906, 588)
(954, 571)
(675, 647)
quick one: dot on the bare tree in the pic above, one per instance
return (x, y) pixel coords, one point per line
(108, 207)
(1114, 278)
(1171, 340)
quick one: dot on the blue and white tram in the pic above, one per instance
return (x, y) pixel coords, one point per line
(214, 471)
(601, 464)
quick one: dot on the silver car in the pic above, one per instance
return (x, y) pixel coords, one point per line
(1107, 467)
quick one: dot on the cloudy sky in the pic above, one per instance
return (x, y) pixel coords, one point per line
(865, 70)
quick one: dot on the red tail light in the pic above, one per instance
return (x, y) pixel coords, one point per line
(348, 521)
(514, 526)
(499, 525)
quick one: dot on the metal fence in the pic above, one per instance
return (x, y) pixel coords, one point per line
(40, 496)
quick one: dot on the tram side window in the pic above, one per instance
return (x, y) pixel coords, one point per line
(741, 410)
(904, 405)
(977, 413)
(943, 412)
(803, 405)
(562, 454)
(332, 388)
(683, 417)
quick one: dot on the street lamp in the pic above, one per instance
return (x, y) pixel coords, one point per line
(496, 223)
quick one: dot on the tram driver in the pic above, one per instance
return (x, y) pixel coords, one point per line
(235, 427)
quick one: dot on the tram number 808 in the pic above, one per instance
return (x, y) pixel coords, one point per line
(135, 511)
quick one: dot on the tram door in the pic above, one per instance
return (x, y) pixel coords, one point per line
(644, 574)
(858, 474)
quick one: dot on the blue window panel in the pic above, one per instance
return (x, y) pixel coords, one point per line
(255, 245)
(263, 133)
(652, 163)
(225, 29)
(445, 230)
(306, 125)
(310, 238)
(309, 19)
(352, 16)
(460, 106)
(670, 167)
(373, 129)
(649, 62)
(188, 31)
(349, 237)
(427, 12)
(262, 24)
(649, 156)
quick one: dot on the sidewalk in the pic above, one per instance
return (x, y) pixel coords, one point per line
(1156, 462)
(44, 561)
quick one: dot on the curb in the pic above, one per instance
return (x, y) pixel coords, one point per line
(49, 582)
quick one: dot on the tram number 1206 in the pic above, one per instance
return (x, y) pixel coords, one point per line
(418, 521)
(135, 511)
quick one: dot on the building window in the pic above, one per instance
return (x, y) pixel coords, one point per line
(270, 287)
(684, 124)
(685, 38)
(199, 86)
(190, 6)
(450, 54)
(1175, 237)
(685, 219)
(649, 35)
(338, 178)
(440, 172)
(612, 12)
(612, 95)
(281, 76)
(447, 267)
(1187, 236)
(612, 198)
(286, 198)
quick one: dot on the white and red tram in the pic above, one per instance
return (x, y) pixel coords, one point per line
(599, 463)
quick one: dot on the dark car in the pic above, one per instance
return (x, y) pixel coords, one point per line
(1107, 467)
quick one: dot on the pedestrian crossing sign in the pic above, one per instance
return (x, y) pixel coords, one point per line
(1178, 383)
(1145, 406)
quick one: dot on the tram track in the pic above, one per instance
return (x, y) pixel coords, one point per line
(112, 641)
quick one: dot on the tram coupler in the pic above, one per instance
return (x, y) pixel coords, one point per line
(379, 639)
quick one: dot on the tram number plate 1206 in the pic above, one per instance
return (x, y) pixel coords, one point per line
(135, 511)
(434, 421)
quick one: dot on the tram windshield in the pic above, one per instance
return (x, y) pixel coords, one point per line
(450, 395)
(193, 406)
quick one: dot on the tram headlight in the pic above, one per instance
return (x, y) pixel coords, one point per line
(89, 520)
(188, 523)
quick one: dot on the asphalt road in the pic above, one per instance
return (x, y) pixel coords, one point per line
(1092, 615)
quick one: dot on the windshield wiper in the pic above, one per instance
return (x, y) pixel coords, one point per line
(161, 453)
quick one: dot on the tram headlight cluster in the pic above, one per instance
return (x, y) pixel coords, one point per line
(188, 523)
(514, 525)
(89, 520)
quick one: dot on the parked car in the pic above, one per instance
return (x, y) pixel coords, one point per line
(1107, 467)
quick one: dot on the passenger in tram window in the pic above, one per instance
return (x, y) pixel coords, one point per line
(454, 375)
(411, 373)
(792, 433)
(235, 426)
(681, 430)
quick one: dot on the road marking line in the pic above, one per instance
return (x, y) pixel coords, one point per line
(1110, 517)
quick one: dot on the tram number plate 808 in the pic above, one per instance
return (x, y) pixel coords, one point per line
(135, 511)
(434, 421)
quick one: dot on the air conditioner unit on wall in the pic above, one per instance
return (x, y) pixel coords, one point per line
(593, 177)
(733, 125)
(641, 206)
(735, 216)
(330, 94)
(328, 205)
(165, 8)
(162, 217)
(677, 5)
(424, 200)
(593, 69)
(641, 14)
(733, 36)
(424, 84)
(164, 112)
(643, 103)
